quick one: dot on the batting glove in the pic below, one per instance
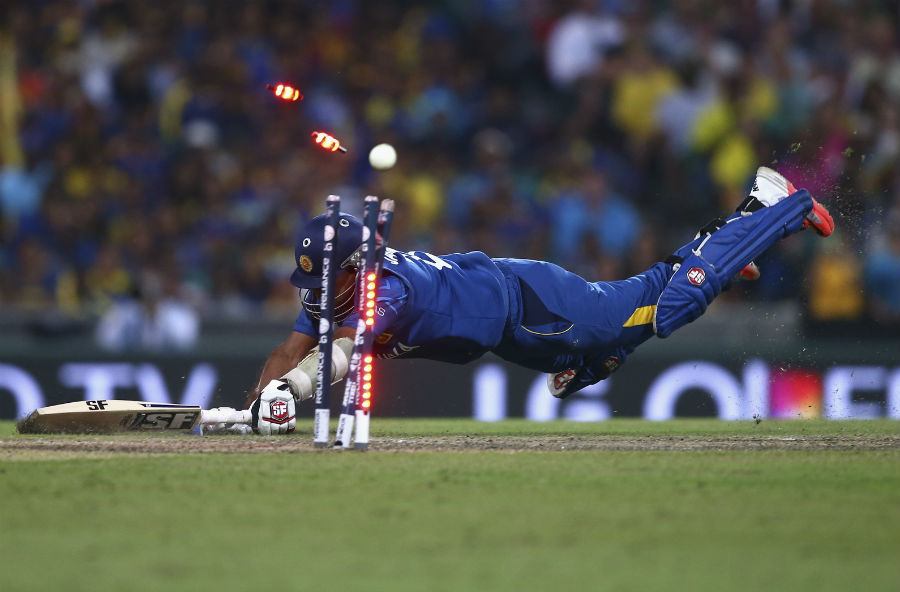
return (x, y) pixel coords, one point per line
(274, 412)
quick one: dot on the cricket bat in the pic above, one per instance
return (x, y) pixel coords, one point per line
(110, 416)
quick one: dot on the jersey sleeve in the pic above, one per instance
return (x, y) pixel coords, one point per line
(389, 304)
(304, 324)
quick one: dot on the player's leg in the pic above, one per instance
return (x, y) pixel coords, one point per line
(720, 250)
(727, 246)
(561, 313)
(578, 330)
(611, 330)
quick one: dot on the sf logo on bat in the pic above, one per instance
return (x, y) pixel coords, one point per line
(180, 420)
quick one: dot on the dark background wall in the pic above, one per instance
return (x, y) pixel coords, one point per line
(705, 370)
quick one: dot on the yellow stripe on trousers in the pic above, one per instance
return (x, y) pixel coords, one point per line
(641, 316)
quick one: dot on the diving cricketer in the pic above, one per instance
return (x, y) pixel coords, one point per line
(455, 308)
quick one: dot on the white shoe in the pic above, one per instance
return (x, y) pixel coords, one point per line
(770, 187)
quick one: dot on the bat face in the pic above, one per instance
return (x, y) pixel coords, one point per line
(109, 416)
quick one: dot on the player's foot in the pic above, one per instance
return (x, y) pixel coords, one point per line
(557, 383)
(770, 187)
(750, 271)
(819, 220)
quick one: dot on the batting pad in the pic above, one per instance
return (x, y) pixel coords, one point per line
(711, 260)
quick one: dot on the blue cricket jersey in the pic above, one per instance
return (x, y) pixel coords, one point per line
(455, 308)
(452, 308)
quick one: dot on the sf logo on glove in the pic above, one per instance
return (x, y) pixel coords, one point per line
(278, 412)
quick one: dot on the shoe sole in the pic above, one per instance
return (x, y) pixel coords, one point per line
(820, 220)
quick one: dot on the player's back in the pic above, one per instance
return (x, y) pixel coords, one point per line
(456, 306)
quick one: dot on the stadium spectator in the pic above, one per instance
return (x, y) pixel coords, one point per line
(578, 41)
(141, 133)
(882, 273)
(151, 318)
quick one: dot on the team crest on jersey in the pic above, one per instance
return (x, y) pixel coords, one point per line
(383, 338)
(305, 263)
(278, 412)
(696, 276)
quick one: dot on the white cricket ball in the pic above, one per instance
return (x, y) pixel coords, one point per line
(383, 156)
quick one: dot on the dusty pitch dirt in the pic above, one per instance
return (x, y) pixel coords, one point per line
(29, 447)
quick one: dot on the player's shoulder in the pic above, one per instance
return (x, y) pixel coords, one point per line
(413, 266)
(471, 258)
(391, 285)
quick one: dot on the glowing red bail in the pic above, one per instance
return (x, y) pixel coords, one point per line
(285, 92)
(328, 142)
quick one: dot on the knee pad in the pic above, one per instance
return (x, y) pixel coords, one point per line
(708, 262)
(693, 286)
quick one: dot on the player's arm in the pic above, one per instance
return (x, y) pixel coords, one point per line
(282, 359)
(281, 366)
(302, 378)
(273, 402)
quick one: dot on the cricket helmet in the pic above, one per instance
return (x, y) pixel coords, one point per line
(309, 249)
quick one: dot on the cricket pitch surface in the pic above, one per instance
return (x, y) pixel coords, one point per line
(423, 435)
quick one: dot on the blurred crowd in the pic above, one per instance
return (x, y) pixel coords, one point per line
(143, 160)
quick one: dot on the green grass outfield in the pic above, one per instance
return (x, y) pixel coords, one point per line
(717, 519)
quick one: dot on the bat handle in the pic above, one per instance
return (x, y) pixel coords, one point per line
(226, 415)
